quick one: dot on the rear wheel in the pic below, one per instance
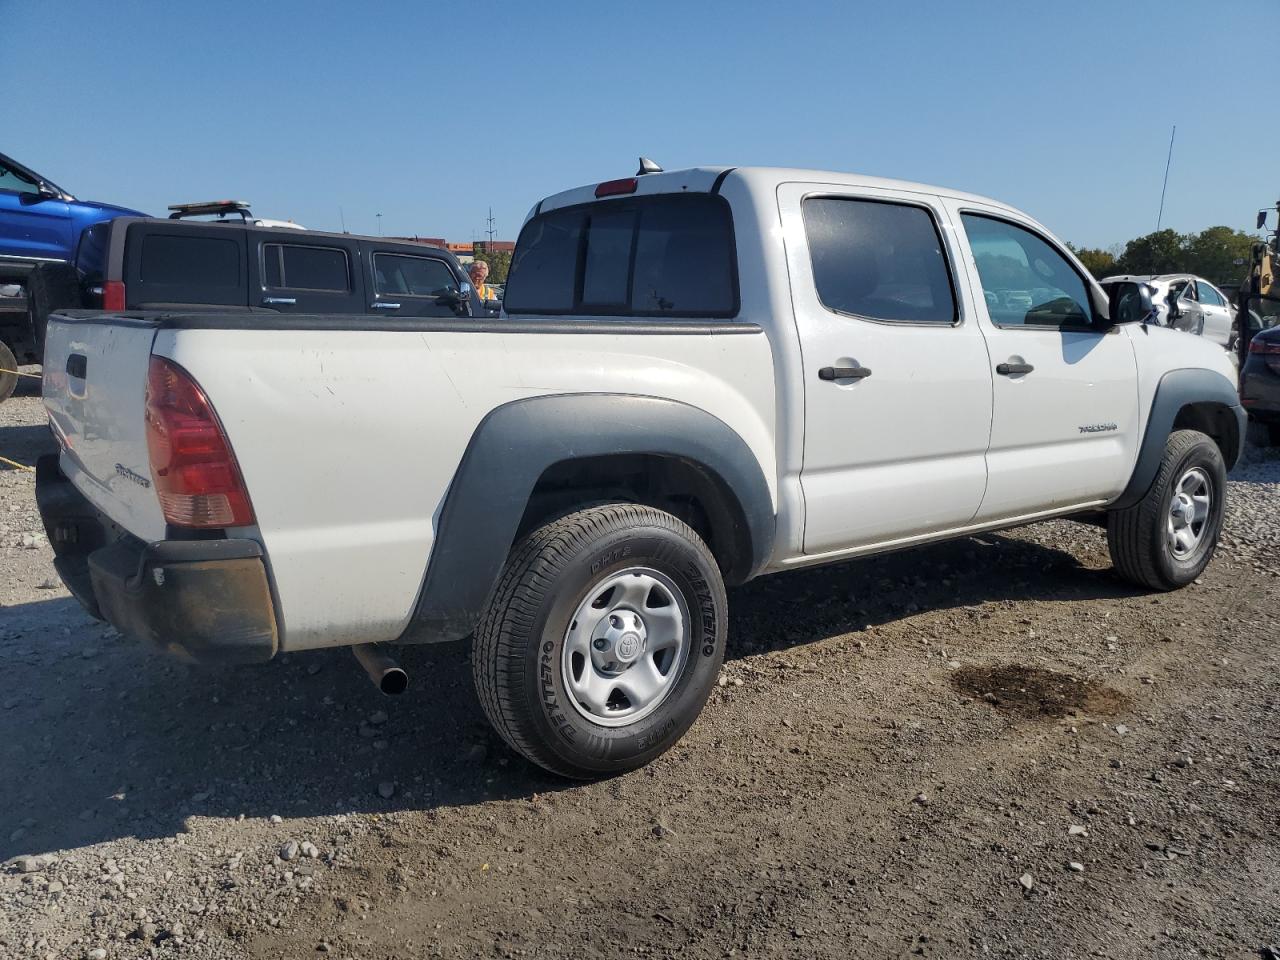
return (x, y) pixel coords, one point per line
(1167, 539)
(50, 287)
(8, 372)
(37, 310)
(602, 640)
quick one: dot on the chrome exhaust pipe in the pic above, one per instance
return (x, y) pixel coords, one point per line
(387, 675)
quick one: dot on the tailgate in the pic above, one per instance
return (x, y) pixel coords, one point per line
(95, 381)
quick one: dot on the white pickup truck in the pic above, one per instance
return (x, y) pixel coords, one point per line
(700, 377)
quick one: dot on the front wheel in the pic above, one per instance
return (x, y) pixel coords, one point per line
(602, 640)
(1167, 539)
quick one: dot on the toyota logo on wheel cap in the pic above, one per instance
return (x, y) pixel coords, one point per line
(628, 646)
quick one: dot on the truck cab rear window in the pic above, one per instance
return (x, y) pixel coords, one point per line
(297, 267)
(659, 256)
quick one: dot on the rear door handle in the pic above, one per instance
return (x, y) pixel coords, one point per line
(1013, 368)
(383, 305)
(843, 373)
(279, 301)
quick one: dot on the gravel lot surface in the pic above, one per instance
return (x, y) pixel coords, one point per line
(991, 747)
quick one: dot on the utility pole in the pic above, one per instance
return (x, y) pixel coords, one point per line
(379, 216)
(490, 222)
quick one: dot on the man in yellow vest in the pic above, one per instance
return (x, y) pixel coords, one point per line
(479, 271)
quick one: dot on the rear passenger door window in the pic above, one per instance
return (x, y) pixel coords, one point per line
(291, 267)
(878, 260)
(308, 276)
(407, 285)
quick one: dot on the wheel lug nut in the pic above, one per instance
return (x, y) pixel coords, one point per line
(614, 621)
(600, 644)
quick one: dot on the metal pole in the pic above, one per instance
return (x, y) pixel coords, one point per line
(1243, 296)
(1168, 161)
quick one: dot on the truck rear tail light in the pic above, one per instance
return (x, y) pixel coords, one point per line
(1264, 346)
(195, 472)
(612, 188)
(113, 295)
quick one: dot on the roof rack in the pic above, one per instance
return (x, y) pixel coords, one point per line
(219, 207)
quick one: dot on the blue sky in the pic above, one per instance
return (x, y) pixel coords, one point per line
(431, 113)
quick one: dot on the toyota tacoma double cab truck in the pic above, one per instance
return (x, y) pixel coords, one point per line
(699, 377)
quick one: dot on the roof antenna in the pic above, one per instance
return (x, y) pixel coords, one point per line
(647, 166)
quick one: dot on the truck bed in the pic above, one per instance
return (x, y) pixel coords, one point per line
(349, 430)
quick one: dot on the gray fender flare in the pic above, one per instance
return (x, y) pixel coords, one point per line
(518, 441)
(1178, 389)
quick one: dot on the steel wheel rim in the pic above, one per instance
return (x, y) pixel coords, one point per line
(1189, 509)
(625, 647)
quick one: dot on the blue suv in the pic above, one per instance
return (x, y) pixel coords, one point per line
(40, 228)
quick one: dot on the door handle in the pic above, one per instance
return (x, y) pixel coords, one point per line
(279, 301)
(78, 366)
(843, 373)
(1013, 368)
(383, 305)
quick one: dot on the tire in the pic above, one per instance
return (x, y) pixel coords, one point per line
(37, 310)
(50, 287)
(1147, 541)
(8, 380)
(580, 623)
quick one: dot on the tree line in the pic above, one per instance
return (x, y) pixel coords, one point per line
(1211, 254)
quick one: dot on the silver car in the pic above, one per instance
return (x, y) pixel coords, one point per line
(1187, 303)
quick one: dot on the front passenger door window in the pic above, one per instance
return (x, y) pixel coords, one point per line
(410, 286)
(16, 182)
(1208, 295)
(1025, 281)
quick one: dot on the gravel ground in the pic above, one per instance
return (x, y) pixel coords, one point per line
(990, 747)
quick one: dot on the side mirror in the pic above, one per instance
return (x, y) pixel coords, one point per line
(1130, 303)
(47, 192)
(452, 297)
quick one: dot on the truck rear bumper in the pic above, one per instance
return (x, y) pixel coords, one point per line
(205, 600)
